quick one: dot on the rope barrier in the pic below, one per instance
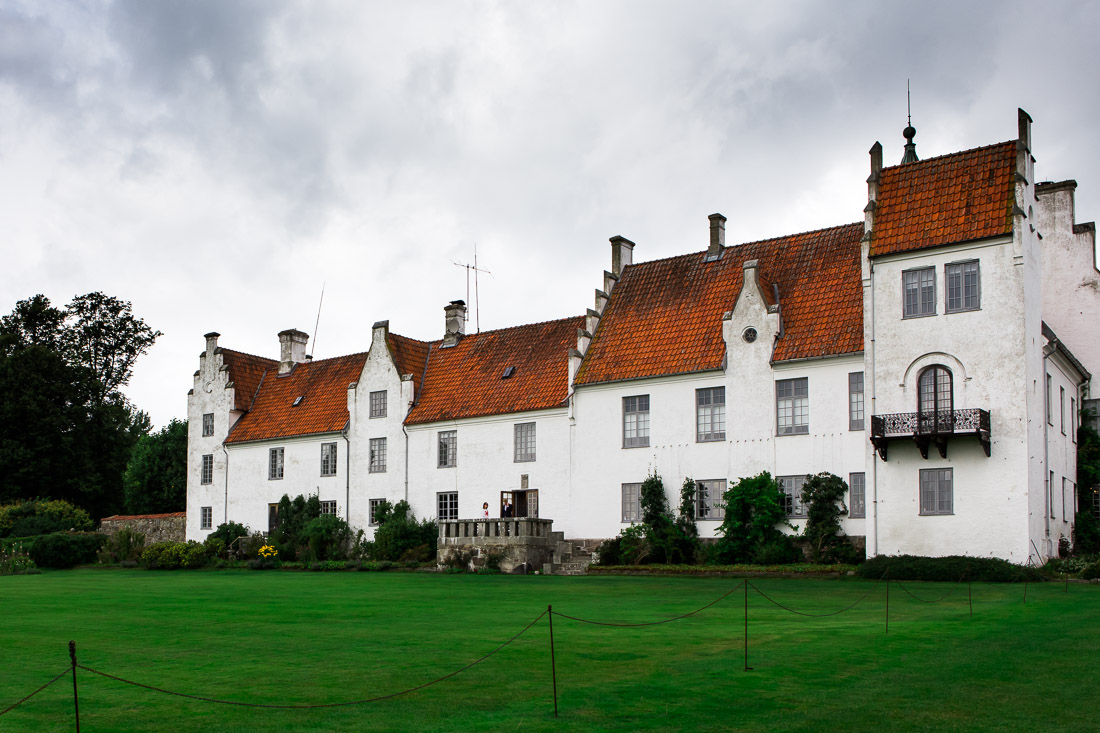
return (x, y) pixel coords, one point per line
(14, 705)
(937, 600)
(320, 705)
(652, 623)
(818, 615)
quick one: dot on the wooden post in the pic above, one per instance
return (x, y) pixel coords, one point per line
(553, 666)
(747, 667)
(76, 700)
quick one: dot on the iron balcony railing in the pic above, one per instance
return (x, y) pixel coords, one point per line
(930, 428)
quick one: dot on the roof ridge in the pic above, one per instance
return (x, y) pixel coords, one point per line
(956, 154)
(223, 350)
(746, 244)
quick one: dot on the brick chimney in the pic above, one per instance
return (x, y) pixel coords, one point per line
(622, 254)
(455, 322)
(717, 237)
(292, 349)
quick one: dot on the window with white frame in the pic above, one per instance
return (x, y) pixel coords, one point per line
(206, 517)
(792, 406)
(632, 502)
(636, 421)
(207, 469)
(328, 459)
(792, 495)
(1064, 482)
(446, 505)
(1050, 400)
(1062, 407)
(963, 286)
(857, 495)
(377, 455)
(920, 292)
(708, 498)
(524, 442)
(448, 448)
(378, 403)
(710, 414)
(328, 507)
(1073, 418)
(207, 424)
(855, 401)
(1050, 495)
(937, 492)
(275, 464)
(372, 517)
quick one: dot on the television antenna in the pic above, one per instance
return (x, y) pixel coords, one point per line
(317, 323)
(477, 299)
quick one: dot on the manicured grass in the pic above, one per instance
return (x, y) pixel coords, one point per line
(271, 637)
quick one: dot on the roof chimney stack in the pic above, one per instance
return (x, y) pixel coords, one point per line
(717, 237)
(622, 254)
(211, 341)
(292, 349)
(455, 315)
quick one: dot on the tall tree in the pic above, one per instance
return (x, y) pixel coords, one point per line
(156, 477)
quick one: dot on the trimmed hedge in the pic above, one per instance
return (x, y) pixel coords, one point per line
(174, 555)
(64, 549)
(951, 568)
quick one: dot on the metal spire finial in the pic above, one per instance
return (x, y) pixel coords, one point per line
(909, 132)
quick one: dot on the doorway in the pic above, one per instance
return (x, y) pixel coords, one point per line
(524, 503)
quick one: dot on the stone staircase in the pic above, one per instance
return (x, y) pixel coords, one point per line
(571, 557)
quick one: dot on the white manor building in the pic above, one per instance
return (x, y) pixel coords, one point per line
(934, 355)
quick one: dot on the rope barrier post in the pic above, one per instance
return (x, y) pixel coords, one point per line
(888, 601)
(553, 666)
(969, 593)
(746, 583)
(76, 700)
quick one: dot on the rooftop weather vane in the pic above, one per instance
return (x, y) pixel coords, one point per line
(909, 132)
(476, 270)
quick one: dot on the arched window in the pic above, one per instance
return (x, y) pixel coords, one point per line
(934, 400)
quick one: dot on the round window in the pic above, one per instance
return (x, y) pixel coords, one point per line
(749, 335)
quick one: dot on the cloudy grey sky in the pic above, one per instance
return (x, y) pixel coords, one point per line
(217, 162)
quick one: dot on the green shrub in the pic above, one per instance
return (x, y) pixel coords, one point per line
(823, 495)
(124, 545)
(754, 512)
(457, 559)
(14, 560)
(1091, 571)
(328, 537)
(1086, 533)
(328, 565)
(780, 550)
(174, 555)
(228, 532)
(952, 568)
(65, 550)
(42, 516)
(609, 552)
(398, 532)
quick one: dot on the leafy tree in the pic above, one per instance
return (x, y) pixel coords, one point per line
(754, 514)
(686, 521)
(823, 495)
(156, 477)
(1086, 530)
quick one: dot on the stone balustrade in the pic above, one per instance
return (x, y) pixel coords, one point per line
(504, 531)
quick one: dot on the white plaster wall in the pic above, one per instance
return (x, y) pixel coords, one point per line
(1059, 506)
(1071, 282)
(486, 465)
(986, 351)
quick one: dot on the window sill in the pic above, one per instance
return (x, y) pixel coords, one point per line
(631, 447)
(377, 470)
(937, 514)
(523, 460)
(787, 435)
(719, 439)
(917, 315)
(375, 417)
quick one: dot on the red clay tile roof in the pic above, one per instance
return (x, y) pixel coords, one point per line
(465, 380)
(323, 386)
(245, 372)
(121, 517)
(953, 198)
(665, 316)
(409, 356)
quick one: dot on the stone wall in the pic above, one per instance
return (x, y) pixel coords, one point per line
(156, 527)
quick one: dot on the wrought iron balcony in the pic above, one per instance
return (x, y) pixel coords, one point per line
(930, 428)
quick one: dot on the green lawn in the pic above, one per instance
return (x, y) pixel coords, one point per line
(278, 637)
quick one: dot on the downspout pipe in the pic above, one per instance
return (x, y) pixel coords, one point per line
(1048, 497)
(406, 432)
(347, 475)
(225, 520)
(874, 393)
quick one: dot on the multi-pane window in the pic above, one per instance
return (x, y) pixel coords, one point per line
(524, 442)
(708, 497)
(1073, 418)
(1050, 494)
(855, 401)
(378, 404)
(632, 502)
(377, 455)
(372, 517)
(920, 292)
(963, 287)
(1062, 407)
(710, 414)
(1064, 482)
(328, 459)
(936, 491)
(792, 406)
(1050, 387)
(207, 469)
(328, 507)
(207, 424)
(792, 495)
(935, 400)
(275, 463)
(448, 448)
(636, 421)
(857, 495)
(206, 517)
(446, 505)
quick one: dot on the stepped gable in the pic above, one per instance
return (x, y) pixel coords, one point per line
(409, 356)
(323, 387)
(245, 372)
(467, 379)
(953, 198)
(665, 317)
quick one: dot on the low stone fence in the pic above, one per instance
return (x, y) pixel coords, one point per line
(519, 542)
(170, 527)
